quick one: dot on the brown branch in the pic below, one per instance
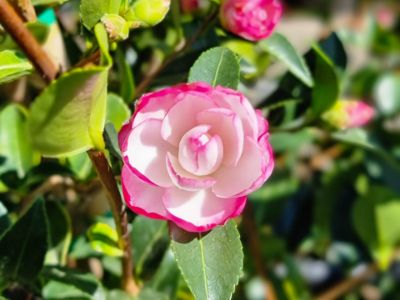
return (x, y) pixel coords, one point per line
(25, 9)
(107, 179)
(146, 82)
(251, 230)
(13, 24)
(348, 285)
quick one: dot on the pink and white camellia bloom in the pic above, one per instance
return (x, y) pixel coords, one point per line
(192, 153)
(349, 114)
(252, 20)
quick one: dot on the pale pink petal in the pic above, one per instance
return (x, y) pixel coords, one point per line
(183, 179)
(181, 117)
(123, 135)
(142, 198)
(202, 210)
(228, 126)
(245, 176)
(199, 152)
(146, 152)
(263, 125)
(235, 101)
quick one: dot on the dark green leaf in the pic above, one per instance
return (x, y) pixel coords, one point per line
(12, 66)
(111, 139)
(326, 83)
(127, 83)
(281, 48)
(68, 117)
(5, 222)
(68, 284)
(15, 147)
(24, 245)
(217, 66)
(210, 263)
(333, 47)
(145, 234)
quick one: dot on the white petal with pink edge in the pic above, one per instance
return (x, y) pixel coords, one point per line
(141, 197)
(201, 210)
(146, 152)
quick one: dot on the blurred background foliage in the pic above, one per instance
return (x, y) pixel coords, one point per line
(324, 226)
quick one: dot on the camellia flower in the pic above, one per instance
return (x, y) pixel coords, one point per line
(349, 114)
(250, 19)
(192, 153)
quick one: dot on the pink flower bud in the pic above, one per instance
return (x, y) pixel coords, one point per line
(250, 19)
(192, 153)
(349, 114)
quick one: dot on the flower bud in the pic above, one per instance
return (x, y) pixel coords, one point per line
(250, 19)
(349, 114)
(116, 26)
(147, 12)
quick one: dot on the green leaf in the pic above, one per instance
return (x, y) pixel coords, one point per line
(48, 2)
(387, 93)
(145, 234)
(217, 66)
(92, 11)
(104, 239)
(60, 233)
(211, 263)
(39, 30)
(127, 83)
(117, 111)
(375, 218)
(278, 46)
(334, 49)
(68, 117)
(24, 245)
(15, 145)
(81, 165)
(111, 139)
(326, 83)
(69, 284)
(12, 66)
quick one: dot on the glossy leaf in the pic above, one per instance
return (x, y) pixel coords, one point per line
(117, 111)
(111, 139)
(145, 234)
(68, 117)
(81, 165)
(13, 66)
(15, 145)
(92, 11)
(334, 49)
(278, 46)
(29, 236)
(326, 86)
(211, 264)
(217, 66)
(104, 239)
(39, 30)
(127, 83)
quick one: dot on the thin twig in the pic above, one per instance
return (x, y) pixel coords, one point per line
(250, 228)
(13, 24)
(143, 86)
(120, 217)
(348, 285)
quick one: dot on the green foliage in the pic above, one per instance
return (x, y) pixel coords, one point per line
(68, 117)
(15, 148)
(217, 66)
(211, 264)
(12, 66)
(117, 111)
(30, 236)
(278, 46)
(93, 11)
(387, 93)
(39, 30)
(104, 239)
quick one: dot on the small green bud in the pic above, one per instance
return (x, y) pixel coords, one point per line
(147, 12)
(116, 26)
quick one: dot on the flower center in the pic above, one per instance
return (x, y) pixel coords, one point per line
(199, 152)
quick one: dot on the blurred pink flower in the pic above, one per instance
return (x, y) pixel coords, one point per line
(250, 19)
(349, 114)
(192, 153)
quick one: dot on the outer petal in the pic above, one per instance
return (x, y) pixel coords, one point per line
(228, 126)
(235, 101)
(145, 152)
(248, 175)
(155, 105)
(202, 210)
(181, 117)
(183, 179)
(123, 135)
(263, 125)
(141, 197)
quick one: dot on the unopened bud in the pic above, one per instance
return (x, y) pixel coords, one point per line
(116, 26)
(147, 12)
